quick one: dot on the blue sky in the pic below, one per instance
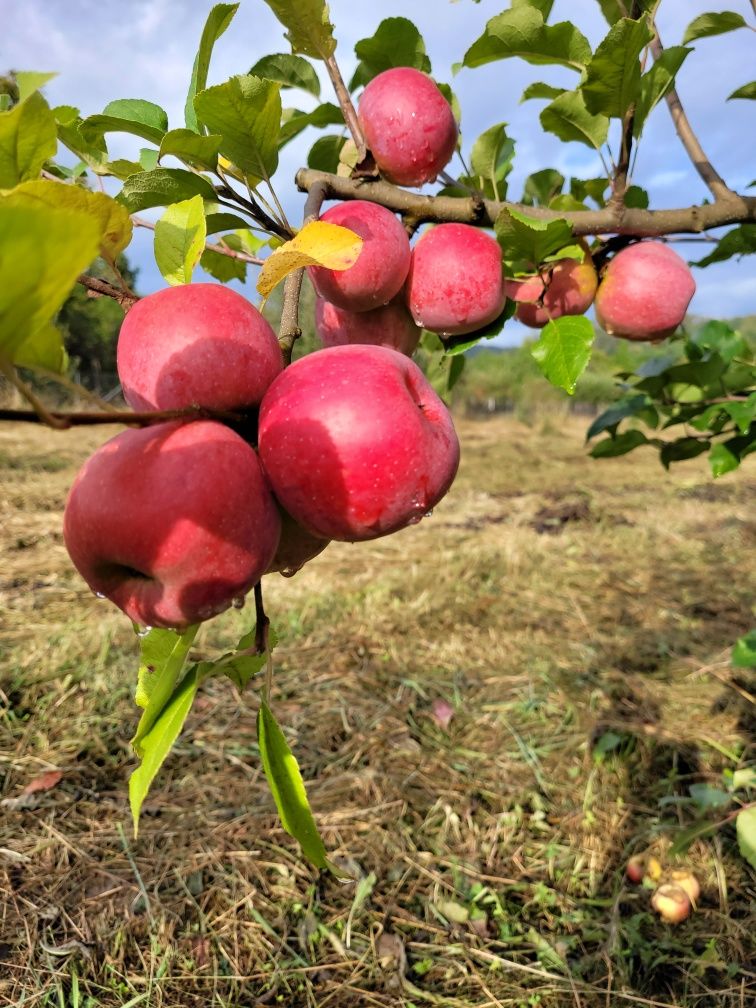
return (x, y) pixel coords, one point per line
(105, 49)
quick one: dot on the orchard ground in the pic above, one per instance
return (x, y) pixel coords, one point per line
(576, 615)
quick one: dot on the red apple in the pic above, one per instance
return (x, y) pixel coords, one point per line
(644, 293)
(381, 267)
(172, 522)
(566, 287)
(390, 326)
(196, 345)
(295, 548)
(455, 283)
(356, 443)
(672, 904)
(636, 869)
(409, 126)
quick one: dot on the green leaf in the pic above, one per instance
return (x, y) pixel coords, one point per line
(594, 189)
(542, 6)
(65, 114)
(396, 43)
(620, 445)
(722, 460)
(29, 81)
(612, 80)
(223, 267)
(308, 29)
(295, 121)
(613, 10)
(682, 449)
(246, 112)
(459, 344)
(93, 154)
(157, 741)
(286, 784)
(218, 20)
(289, 71)
(619, 411)
(686, 837)
(563, 350)
(568, 118)
(43, 252)
(196, 150)
(707, 797)
(216, 222)
(127, 115)
(491, 158)
(745, 778)
(656, 82)
(542, 186)
(636, 198)
(162, 187)
(745, 827)
(721, 338)
(44, 349)
(28, 137)
(529, 242)
(324, 153)
(521, 32)
(162, 654)
(744, 651)
(713, 24)
(739, 241)
(138, 110)
(180, 239)
(540, 90)
(746, 91)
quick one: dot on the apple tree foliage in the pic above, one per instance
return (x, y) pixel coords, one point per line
(212, 176)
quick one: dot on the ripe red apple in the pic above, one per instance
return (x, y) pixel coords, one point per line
(196, 345)
(671, 903)
(381, 267)
(566, 287)
(409, 126)
(636, 869)
(356, 443)
(644, 292)
(455, 283)
(390, 326)
(172, 522)
(295, 547)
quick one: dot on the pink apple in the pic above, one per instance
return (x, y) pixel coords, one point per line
(409, 126)
(390, 326)
(356, 443)
(566, 287)
(645, 292)
(172, 522)
(672, 903)
(196, 345)
(455, 283)
(295, 548)
(381, 267)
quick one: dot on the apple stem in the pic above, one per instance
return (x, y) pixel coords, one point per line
(347, 107)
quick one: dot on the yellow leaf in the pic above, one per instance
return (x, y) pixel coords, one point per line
(317, 244)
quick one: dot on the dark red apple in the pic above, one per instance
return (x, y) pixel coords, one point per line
(196, 345)
(356, 443)
(296, 547)
(456, 282)
(566, 287)
(390, 326)
(172, 522)
(381, 267)
(409, 126)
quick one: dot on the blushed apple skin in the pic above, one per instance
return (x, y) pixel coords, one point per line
(172, 522)
(408, 125)
(381, 267)
(390, 326)
(644, 292)
(455, 283)
(570, 287)
(196, 345)
(356, 443)
(296, 547)
(672, 903)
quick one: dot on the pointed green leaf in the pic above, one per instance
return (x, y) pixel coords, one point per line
(713, 24)
(180, 239)
(289, 71)
(491, 158)
(29, 81)
(28, 137)
(192, 148)
(127, 115)
(216, 222)
(564, 349)
(527, 242)
(630, 406)
(138, 110)
(542, 187)
(594, 189)
(722, 460)
(613, 10)
(620, 445)
(739, 241)
(541, 90)
(656, 83)
(746, 91)
(223, 267)
(542, 6)
(521, 32)
(162, 187)
(286, 784)
(308, 29)
(612, 80)
(324, 153)
(246, 112)
(162, 657)
(396, 43)
(745, 827)
(44, 349)
(744, 651)
(568, 118)
(218, 20)
(294, 121)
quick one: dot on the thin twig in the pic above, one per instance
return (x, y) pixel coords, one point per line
(737, 209)
(347, 107)
(101, 288)
(212, 246)
(39, 411)
(63, 420)
(620, 177)
(714, 181)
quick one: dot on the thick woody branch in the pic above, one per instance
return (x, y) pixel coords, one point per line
(714, 181)
(63, 420)
(736, 209)
(101, 288)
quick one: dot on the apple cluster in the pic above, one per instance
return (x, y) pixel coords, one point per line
(176, 520)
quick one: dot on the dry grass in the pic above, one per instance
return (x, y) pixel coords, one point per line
(550, 600)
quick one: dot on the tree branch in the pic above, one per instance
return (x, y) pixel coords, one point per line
(212, 246)
(62, 420)
(101, 288)
(714, 181)
(347, 107)
(737, 209)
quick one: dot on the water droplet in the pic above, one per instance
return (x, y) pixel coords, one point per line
(288, 572)
(238, 602)
(428, 514)
(143, 631)
(99, 595)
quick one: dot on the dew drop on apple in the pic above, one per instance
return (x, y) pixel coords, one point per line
(288, 572)
(99, 595)
(143, 631)
(428, 514)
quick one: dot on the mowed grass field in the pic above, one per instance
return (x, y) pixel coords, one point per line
(576, 615)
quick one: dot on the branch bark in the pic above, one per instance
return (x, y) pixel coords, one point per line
(63, 421)
(345, 101)
(101, 288)
(737, 209)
